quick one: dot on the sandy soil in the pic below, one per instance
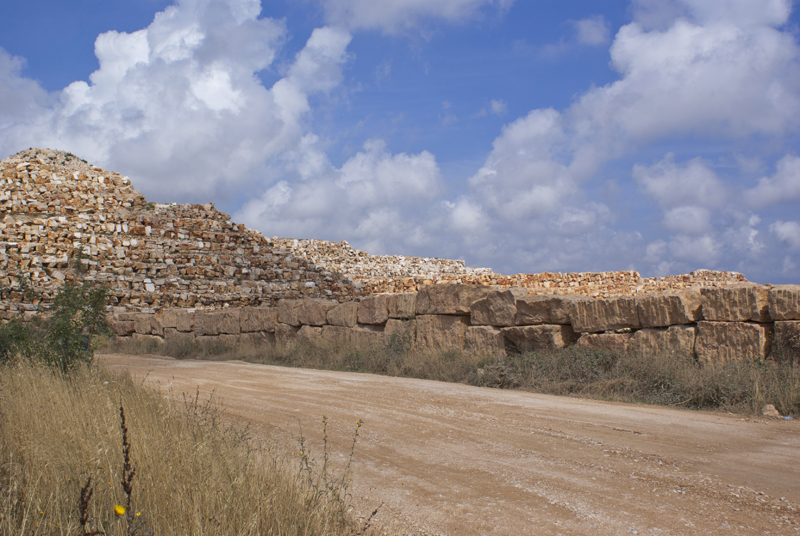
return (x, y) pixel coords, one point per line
(458, 460)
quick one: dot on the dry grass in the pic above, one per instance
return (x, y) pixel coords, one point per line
(188, 473)
(741, 387)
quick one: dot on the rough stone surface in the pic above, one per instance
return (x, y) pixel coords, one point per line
(543, 309)
(786, 346)
(498, 308)
(448, 299)
(314, 312)
(608, 314)
(285, 333)
(405, 329)
(173, 336)
(403, 306)
(486, 340)
(441, 332)
(610, 342)
(373, 310)
(310, 333)
(122, 328)
(223, 322)
(255, 319)
(147, 339)
(258, 338)
(289, 312)
(673, 341)
(345, 314)
(669, 308)
(720, 342)
(540, 337)
(784, 302)
(736, 303)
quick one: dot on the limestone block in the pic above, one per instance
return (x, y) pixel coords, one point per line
(345, 314)
(670, 308)
(736, 303)
(448, 298)
(610, 342)
(122, 328)
(674, 341)
(784, 302)
(402, 305)
(589, 315)
(400, 329)
(786, 346)
(365, 335)
(184, 320)
(441, 332)
(373, 310)
(145, 324)
(541, 337)
(147, 339)
(498, 308)
(487, 340)
(285, 333)
(167, 319)
(223, 321)
(310, 333)
(314, 311)
(337, 335)
(256, 319)
(258, 339)
(718, 342)
(546, 309)
(288, 311)
(173, 336)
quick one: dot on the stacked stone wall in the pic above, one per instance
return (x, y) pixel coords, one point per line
(704, 324)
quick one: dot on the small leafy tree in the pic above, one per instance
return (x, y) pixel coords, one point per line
(66, 336)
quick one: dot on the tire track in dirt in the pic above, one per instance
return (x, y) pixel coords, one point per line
(459, 460)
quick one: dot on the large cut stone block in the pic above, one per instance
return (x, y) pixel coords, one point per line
(373, 310)
(254, 319)
(671, 308)
(314, 311)
(258, 339)
(403, 306)
(173, 336)
(547, 309)
(310, 333)
(357, 337)
(486, 340)
(122, 328)
(610, 342)
(541, 337)
(784, 302)
(288, 312)
(449, 298)
(607, 314)
(736, 303)
(718, 342)
(404, 330)
(284, 333)
(224, 321)
(184, 321)
(441, 332)
(498, 308)
(146, 324)
(786, 346)
(674, 341)
(345, 314)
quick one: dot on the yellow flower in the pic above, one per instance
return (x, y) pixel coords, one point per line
(138, 514)
(119, 510)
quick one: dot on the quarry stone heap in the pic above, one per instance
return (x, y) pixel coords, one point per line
(152, 256)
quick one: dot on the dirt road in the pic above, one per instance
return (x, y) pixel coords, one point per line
(459, 460)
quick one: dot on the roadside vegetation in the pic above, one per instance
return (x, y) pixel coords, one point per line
(677, 381)
(84, 451)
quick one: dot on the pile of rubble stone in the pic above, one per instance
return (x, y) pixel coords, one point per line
(57, 210)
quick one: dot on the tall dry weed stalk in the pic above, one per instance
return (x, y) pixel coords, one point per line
(67, 460)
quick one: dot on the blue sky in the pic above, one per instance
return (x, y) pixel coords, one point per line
(525, 136)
